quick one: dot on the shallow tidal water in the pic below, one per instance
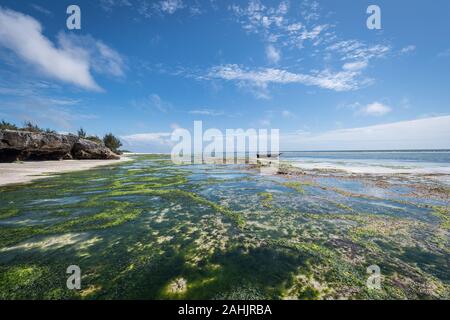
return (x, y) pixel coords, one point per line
(149, 229)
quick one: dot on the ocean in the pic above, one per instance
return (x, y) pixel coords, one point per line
(373, 162)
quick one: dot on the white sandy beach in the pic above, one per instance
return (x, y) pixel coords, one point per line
(22, 172)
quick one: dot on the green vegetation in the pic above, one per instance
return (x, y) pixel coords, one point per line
(81, 133)
(112, 142)
(27, 126)
(153, 230)
(266, 199)
(444, 214)
(7, 126)
(296, 185)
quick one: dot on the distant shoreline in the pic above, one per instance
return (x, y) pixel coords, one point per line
(28, 171)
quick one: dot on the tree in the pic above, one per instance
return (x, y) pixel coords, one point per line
(81, 133)
(48, 130)
(112, 142)
(31, 127)
(94, 139)
(7, 125)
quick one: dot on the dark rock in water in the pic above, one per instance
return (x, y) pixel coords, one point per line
(24, 145)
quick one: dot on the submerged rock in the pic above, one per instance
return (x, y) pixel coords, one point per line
(23, 145)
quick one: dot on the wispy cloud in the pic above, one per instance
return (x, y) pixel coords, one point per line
(275, 25)
(290, 26)
(142, 138)
(273, 55)
(102, 58)
(152, 102)
(41, 9)
(207, 112)
(148, 8)
(72, 61)
(354, 50)
(375, 109)
(109, 5)
(46, 111)
(154, 141)
(408, 49)
(170, 6)
(343, 80)
(444, 54)
(429, 133)
(372, 109)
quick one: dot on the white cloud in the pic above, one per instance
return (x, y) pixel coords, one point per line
(355, 66)
(41, 9)
(102, 58)
(148, 9)
(272, 54)
(287, 114)
(142, 138)
(108, 5)
(343, 80)
(310, 10)
(408, 49)
(355, 50)
(207, 112)
(375, 109)
(274, 24)
(170, 6)
(70, 62)
(152, 102)
(148, 142)
(46, 111)
(429, 133)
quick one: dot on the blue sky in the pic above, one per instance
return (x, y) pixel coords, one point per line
(309, 68)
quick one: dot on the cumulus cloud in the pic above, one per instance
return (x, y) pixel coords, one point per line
(72, 61)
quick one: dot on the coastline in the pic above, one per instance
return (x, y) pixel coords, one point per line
(28, 171)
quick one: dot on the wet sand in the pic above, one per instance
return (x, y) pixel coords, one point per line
(23, 172)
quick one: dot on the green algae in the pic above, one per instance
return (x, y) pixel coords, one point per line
(8, 213)
(444, 214)
(296, 185)
(150, 231)
(266, 199)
